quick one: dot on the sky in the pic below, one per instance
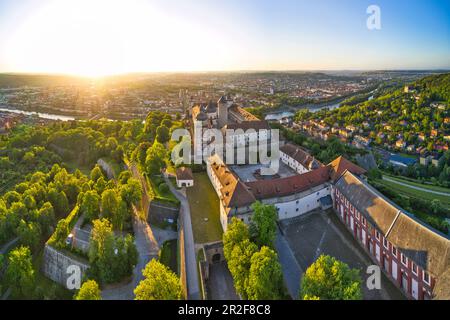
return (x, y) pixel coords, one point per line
(100, 37)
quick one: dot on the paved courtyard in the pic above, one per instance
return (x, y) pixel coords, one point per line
(318, 233)
(246, 172)
(220, 283)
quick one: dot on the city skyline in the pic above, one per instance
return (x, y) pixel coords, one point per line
(94, 38)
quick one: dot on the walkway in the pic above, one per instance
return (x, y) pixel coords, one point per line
(447, 194)
(291, 270)
(190, 254)
(148, 249)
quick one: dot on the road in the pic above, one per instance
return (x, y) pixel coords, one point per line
(191, 261)
(8, 245)
(416, 188)
(148, 249)
(146, 245)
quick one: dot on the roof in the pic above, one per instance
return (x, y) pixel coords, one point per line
(211, 107)
(340, 165)
(237, 194)
(376, 208)
(244, 114)
(300, 156)
(234, 192)
(222, 100)
(245, 125)
(426, 247)
(281, 187)
(400, 159)
(442, 288)
(184, 173)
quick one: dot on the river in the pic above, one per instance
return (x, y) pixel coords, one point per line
(39, 114)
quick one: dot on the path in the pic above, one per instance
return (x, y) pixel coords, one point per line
(146, 245)
(191, 261)
(3, 251)
(8, 245)
(291, 270)
(416, 188)
(147, 248)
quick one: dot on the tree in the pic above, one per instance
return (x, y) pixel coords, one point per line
(111, 258)
(90, 205)
(61, 232)
(110, 204)
(101, 248)
(239, 264)
(160, 283)
(153, 164)
(264, 224)
(89, 291)
(131, 192)
(237, 232)
(96, 173)
(265, 278)
(20, 274)
(167, 123)
(29, 233)
(47, 218)
(162, 134)
(331, 279)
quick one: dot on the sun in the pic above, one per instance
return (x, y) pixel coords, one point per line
(95, 38)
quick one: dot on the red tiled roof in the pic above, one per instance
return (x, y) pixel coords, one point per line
(300, 155)
(184, 173)
(286, 186)
(340, 165)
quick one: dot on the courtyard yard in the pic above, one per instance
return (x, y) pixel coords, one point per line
(205, 212)
(318, 233)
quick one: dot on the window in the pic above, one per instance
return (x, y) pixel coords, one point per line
(386, 243)
(404, 259)
(377, 235)
(426, 277)
(414, 268)
(296, 209)
(394, 251)
(296, 202)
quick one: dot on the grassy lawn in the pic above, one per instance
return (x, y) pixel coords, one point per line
(204, 204)
(415, 193)
(168, 255)
(418, 184)
(154, 183)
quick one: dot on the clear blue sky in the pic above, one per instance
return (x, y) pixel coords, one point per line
(234, 35)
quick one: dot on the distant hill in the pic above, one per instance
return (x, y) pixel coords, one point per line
(15, 80)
